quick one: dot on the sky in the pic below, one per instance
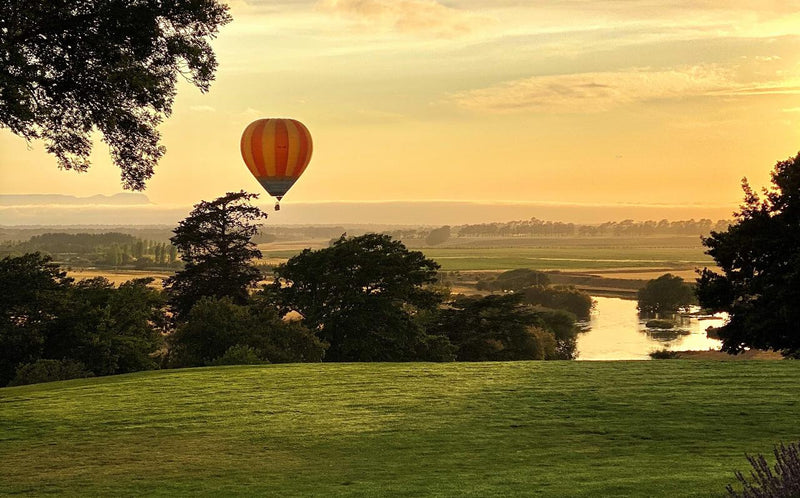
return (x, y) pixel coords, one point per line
(565, 101)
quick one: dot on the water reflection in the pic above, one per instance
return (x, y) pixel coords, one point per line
(616, 332)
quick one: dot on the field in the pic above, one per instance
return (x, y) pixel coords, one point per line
(669, 428)
(621, 254)
(118, 276)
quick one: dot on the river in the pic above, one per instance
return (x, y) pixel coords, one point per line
(617, 333)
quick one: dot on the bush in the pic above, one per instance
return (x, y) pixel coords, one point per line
(659, 324)
(663, 354)
(49, 371)
(238, 355)
(570, 299)
(215, 326)
(665, 294)
(783, 483)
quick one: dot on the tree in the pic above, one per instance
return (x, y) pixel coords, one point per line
(217, 327)
(565, 298)
(67, 68)
(759, 255)
(110, 331)
(216, 247)
(494, 328)
(363, 296)
(438, 236)
(31, 294)
(519, 279)
(665, 294)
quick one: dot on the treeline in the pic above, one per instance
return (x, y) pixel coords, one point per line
(111, 249)
(539, 228)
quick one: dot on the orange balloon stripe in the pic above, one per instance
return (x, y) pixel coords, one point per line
(305, 149)
(281, 147)
(304, 154)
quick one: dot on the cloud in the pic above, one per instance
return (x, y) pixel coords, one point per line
(602, 91)
(406, 16)
(202, 108)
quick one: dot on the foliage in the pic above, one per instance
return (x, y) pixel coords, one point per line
(665, 294)
(67, 68)
(438, 236)
(361, 295)
(659, 324)
(663, 354)
(99, 249)
(215, 244)
(760, 282)
(517, 280)
(566, 298)
(216, 325)
(239, 355)
(49, 371)
(493, 328)
(627, 228)
(561, 324)
(45, 316)
(784, 483)
(32, 290)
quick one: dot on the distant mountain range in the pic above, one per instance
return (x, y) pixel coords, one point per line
(121, 199)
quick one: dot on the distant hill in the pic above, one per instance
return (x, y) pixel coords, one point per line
(121, 199)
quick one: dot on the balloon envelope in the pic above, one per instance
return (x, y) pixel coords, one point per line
(277, 151)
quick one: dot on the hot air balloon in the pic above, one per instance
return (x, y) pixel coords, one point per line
(277, 151)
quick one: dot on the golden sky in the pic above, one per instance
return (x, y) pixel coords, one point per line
(562, 101)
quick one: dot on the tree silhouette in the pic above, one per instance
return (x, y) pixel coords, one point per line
(760, 258)
(215, 244)
(68, 67)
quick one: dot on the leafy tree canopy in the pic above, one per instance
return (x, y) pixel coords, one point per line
(69, 67)
(217, 329)
(495, 328)
(759, 256)
(665, 294)
(215, 243)
(361, 295)
(44, 315)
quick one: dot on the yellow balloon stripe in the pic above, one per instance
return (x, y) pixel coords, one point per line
(294, 147)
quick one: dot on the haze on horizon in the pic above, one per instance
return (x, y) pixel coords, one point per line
(572, 102)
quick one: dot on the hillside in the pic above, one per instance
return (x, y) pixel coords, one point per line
(556, 428)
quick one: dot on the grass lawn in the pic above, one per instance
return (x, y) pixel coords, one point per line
(669, 428)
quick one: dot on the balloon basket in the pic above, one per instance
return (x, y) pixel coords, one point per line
(277, 206)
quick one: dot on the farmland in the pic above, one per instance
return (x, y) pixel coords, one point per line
(643, 254)
(492, 429)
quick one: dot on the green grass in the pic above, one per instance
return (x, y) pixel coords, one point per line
(675, 428)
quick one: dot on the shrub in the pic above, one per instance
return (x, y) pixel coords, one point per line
(783, 483)
(562, 298)
(239, 355)
(665, 294)
(49, 371)
(663, 354)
